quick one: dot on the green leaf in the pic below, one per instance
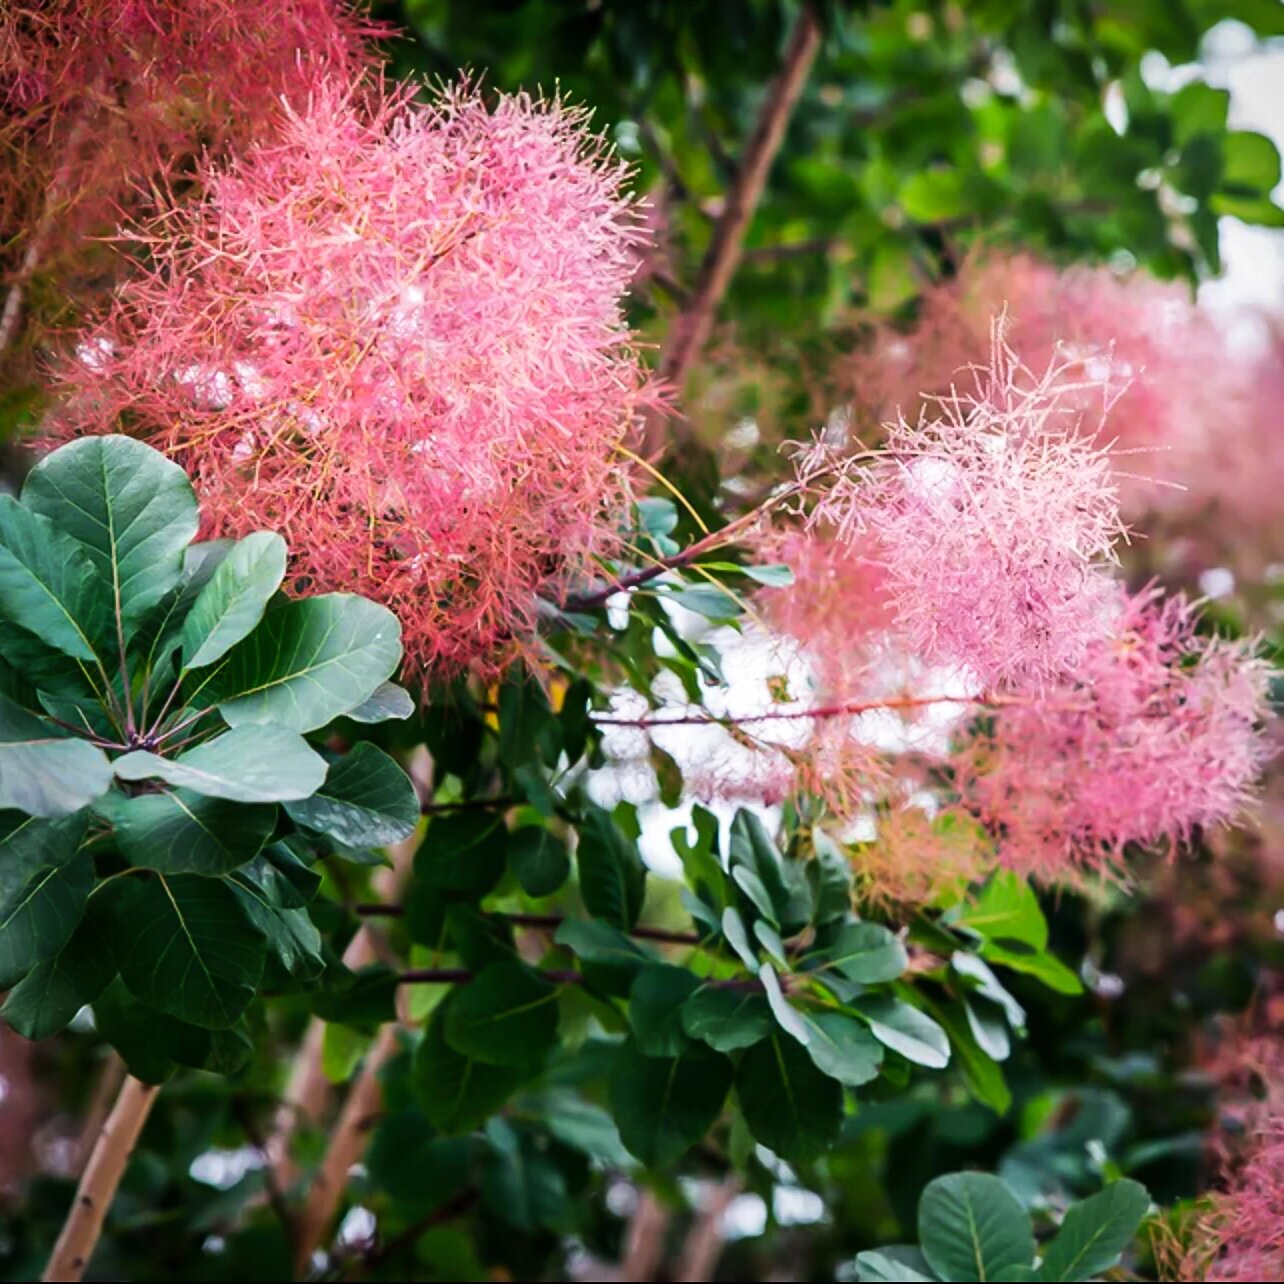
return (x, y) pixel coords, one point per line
(365, 998)
(177, 831)
(1095, 1232)
(462, 853)
(1045, 968)
(906, 1030)
(988, 985)
(892, 1265)
(1007, 910)
(726, 1019)
(308, 662)
(776, 575)
(612, 875)
(1250, 162)
(39, 918)
(733, 928)
(417, 1167)
(48, 584)
(27, 843)
(42, 771)
(539, 859)
(655, 1009)
(56, 989)
(506, 1016)
(232, 602)
(829, 875)
(131, 508)
(866, 953)
(983, 1074)
(185, 946)
(972, 1227)
(293, 942)
(608, 958)
(583, 1126)
(366, 801)
(390, 703)
(246, 764)
(457, 1092)
(934, 195)
(841, 1046)
(522, 1184)
(786, 1018)
(152, 1045)
(523, 715)
(789, 1105)
(664, 1105)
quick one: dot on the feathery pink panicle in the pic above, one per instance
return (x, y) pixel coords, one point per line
(996, 519)
(1239, 1235)
(394, 333)
(1157, 733)
(1163, 354)
(101, 99)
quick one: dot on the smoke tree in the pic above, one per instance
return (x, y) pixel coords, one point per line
(864, 697)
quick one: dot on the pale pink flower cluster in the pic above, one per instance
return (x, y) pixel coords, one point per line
(1156, 733)
(394, 333)
(996, 516)
(1165, 358)
(100, 100)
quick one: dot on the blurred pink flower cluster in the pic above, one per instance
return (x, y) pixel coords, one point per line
(102, 100)
(393, 333)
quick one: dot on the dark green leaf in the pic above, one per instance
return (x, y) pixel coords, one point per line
(463, 853)
(726, 1019)
(609, 959)
(39, 918)
(972, 1227)
(185, 946)
(507, 1016)
(294, 944)
(612, 875)
(414, 1165)
(656, 998)
(457, 1092)
(180, 832)
(866, 953)
(523, 715)
(664, 1105)
(539, 859)
(152, 1045)
(522, 1184)
(27, 843)
(790, 1106)
(53, 992)
(841, 1046)
(366, 801)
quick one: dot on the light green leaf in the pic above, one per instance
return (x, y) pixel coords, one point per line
(906, 1030)
(841, 1047)
(247, 764)
(186, 947)
(366, 801)
(180, 832)
(897, 1264)
(972, 1227)
(733, 928)
(786, 1018)
(48, 584)
(390, 703)
(232, 602)
(131, 508)
(43, 772)
(308, 662)
(865, 952)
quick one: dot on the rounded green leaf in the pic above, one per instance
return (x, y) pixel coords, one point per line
(180, 832)
(656, 998)
(972, 1227)
(507, 1016)
(539, 859)
(232, 602)
(308, 662)
(185, 946)
(131, 508)
(789, 1105)
(48, 584)
(457, 1092)
(389, 703)
(866, 953)
(43, 772)
(664, 1105)
(726, 1019)
(366, 801)
(1095, 1232)
(247, 764)
(56, 989)
(462, 853)
(842, 1047)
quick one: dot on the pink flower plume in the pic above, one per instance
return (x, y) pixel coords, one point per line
(394, 333)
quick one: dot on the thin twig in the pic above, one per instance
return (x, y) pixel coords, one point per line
(372, 909)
